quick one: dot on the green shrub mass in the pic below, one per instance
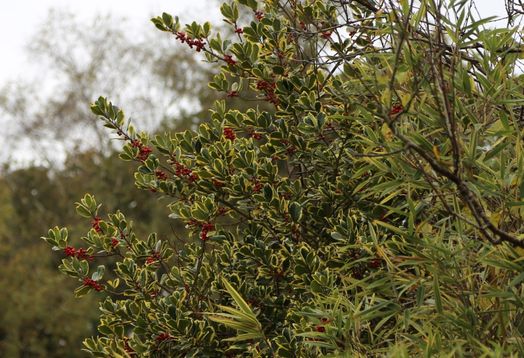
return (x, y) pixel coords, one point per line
(368, 202)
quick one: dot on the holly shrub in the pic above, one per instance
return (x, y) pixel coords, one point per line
(373, 207)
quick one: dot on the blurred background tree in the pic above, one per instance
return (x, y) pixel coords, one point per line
(51, 111)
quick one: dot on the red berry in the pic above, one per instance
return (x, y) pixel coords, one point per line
(181, 171)
(229, 60)
(203, 235)
(269, 89)
(144, 152)
(160, 175)
(163, 336)
(183, 38)
(206, 227)
(70, 251)
(93, 284)
(154, 257)
(95, 224)
(229, 133)
(256, 136)
(259, 15)
(193, 177)
(375, 263)
(397, 108)
(320, 328)
(82, 254)
(257, 186)
(326, 34)
(199, 45)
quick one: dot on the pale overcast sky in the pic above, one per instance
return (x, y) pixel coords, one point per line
(19, 18)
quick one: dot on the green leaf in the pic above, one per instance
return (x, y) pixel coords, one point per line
(99, 273)
(295, 210)
(244, 337)
(168, 19)
(242, 304)
(436, 292)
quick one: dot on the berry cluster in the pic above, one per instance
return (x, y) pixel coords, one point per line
(182, 171)
(232, 94)
(70, 251)
(80, 254)
(163, 337)
(154, 257)
(95, 224)
(239, 30)
(269, 89)
(320, 327)
(326, 34)
(222, 210)
(255, 135)
(206, 228)
(396, 109)
(143, 151)
(229, 60)
(114, 242)
(93, 284)
(257, 185)
(375, 263)
(160, 175)
(229, 133)
(259, 15)
(198, 43)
